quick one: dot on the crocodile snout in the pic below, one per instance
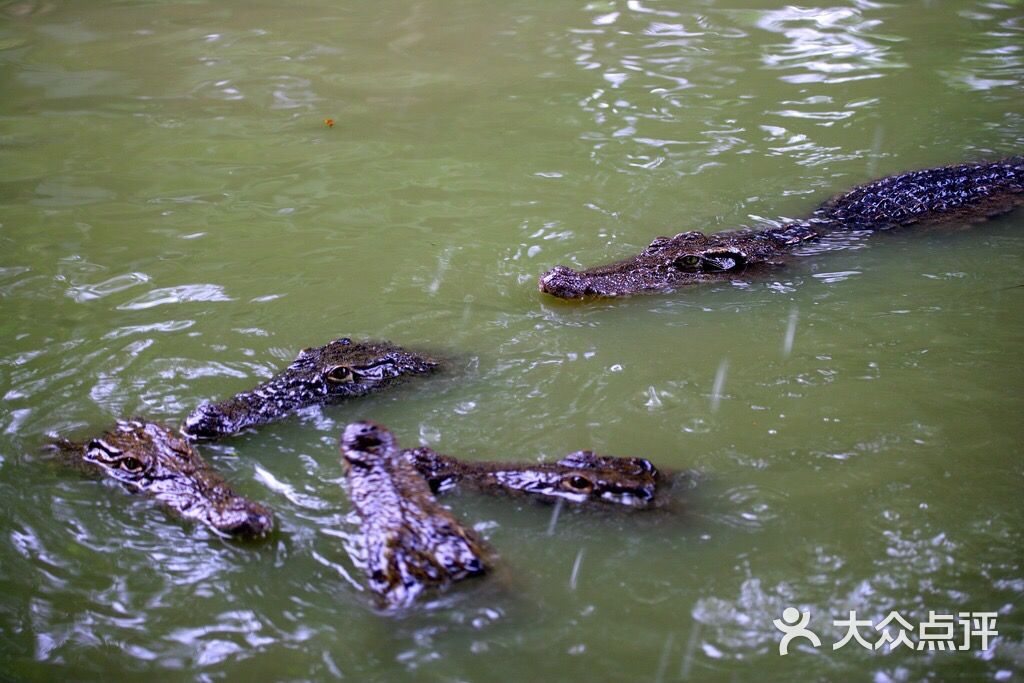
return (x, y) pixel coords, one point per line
(207, 421)
(563, 282)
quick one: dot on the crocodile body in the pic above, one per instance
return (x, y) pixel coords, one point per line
(963, 192)
(410, 542)
(149, 459)
(326, 374)
(580, 477)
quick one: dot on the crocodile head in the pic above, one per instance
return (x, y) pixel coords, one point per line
(667, 263)
(149, 459)
(325, 374)
(611, 479)
(409, 541)
(580, 477)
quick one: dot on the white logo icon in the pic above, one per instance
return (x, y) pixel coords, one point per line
(794, 625)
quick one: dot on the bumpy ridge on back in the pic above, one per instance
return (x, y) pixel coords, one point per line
(908, 197)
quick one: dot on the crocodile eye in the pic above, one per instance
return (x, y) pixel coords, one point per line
(131, 464)
(687, 262)
(339, 375)
(578, 483)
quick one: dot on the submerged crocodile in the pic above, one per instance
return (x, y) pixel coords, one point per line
(963, 192)
(410, 541)
(149, 459)
(579, 477)
(326, 374)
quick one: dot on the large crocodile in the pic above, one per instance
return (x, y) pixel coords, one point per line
(580, 477)
(410, 542)
(963, 192)
(150, 459)
(325, 374)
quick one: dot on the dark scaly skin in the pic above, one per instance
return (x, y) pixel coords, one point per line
(152, 460)
(963, 192)
(580, 477)
(411, 542)
(326, 374)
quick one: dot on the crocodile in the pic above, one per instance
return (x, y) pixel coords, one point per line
(320, 375)
(958, 193)
(580, 477)
(150, 459)
(409, 541)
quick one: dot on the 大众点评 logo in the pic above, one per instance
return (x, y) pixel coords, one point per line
(938, 632)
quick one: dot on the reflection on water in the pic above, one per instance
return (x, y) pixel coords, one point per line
(177, 221)
(828, 45)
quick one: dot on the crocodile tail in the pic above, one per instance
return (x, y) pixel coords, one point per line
(968, 192)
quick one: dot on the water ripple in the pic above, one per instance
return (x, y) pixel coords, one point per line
(118, 283)
(176, 295)
(827, 45)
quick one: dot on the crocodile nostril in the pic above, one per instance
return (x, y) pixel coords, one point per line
(361, 436)
(557, 273)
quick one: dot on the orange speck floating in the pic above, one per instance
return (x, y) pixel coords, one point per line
(329, 122)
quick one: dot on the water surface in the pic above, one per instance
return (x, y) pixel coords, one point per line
(176, 221)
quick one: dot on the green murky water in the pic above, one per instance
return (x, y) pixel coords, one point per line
(177, 221)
